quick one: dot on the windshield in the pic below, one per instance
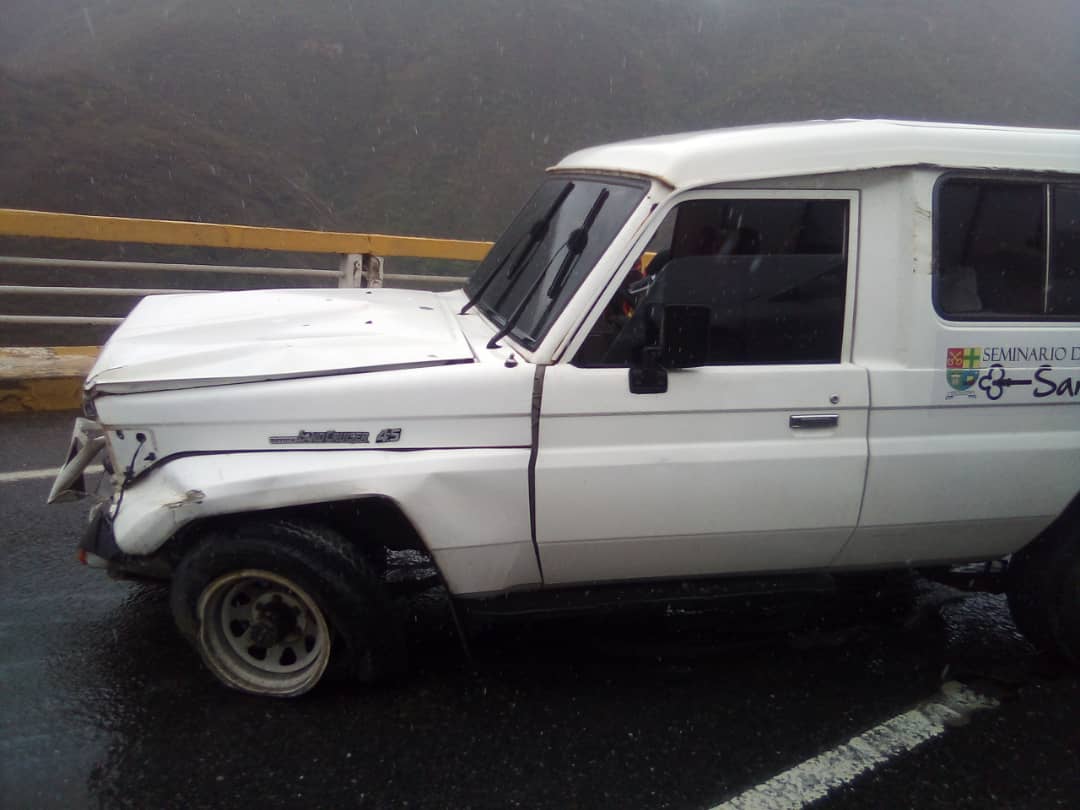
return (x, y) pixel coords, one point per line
(541, 259)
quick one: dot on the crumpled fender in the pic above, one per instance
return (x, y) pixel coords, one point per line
(469, 506)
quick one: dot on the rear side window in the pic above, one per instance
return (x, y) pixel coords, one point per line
(994, 258)
(1063, 292)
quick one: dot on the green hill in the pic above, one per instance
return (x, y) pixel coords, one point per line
(76, 144)
(418, 117)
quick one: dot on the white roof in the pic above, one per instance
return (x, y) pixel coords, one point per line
(823, 147)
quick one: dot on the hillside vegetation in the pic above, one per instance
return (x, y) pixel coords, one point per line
(433, 118)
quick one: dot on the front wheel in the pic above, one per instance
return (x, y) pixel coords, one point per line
(266, 604)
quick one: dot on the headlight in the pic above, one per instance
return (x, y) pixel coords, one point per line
(88, 408)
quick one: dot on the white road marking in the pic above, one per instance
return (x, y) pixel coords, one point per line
(815, 778)
(30, 475)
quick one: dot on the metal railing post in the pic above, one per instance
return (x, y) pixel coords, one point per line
(361, 270)
(350, 267)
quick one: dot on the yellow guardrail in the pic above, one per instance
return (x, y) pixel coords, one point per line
(46, 224)
(50, 378)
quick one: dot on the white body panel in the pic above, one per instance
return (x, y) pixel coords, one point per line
(181, 341)
(438, 490)
(470, 405)
(949, 479)
(706, 478)
(810, 148)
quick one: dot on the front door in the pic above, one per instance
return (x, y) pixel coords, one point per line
(755, 462)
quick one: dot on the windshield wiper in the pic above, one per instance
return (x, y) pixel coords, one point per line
(536, 233)
(575, 245)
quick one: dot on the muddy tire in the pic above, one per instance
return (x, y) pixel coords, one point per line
(271, 605)
(1043, 588)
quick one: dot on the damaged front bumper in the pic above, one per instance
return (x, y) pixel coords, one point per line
(98, 549)
(87, 442)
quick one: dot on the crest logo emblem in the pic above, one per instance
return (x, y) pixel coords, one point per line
(962, 367)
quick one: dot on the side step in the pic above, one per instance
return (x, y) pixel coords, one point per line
(681, 594)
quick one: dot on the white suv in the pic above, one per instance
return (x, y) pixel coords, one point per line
(797, 350)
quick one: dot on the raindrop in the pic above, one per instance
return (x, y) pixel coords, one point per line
(89, 22)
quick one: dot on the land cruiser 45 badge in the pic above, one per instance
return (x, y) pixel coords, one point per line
(338, 437)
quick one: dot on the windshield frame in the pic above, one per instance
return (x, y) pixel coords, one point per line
(527, 273)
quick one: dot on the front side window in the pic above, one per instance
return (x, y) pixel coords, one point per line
(993, 260)
(772, 272)
(539, 262)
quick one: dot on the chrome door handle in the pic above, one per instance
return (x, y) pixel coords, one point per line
(810, 421)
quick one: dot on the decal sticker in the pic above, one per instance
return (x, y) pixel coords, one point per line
(995, 381)
(1049, 383)
(388, 435)
(1014, 374)
(962, 368)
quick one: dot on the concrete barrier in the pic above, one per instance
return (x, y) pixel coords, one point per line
(43, 378)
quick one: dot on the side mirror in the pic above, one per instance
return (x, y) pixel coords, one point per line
(678, 337)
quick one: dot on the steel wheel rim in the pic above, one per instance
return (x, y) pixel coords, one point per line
(262, 633)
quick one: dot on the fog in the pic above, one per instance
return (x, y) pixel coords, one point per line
(435, 119)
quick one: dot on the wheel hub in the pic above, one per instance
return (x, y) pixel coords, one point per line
(276, 618)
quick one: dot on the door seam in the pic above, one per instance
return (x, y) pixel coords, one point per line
(537, 396)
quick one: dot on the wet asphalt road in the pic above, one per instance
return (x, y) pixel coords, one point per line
(101, 704)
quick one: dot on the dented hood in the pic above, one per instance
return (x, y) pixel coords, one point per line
(185, 341)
